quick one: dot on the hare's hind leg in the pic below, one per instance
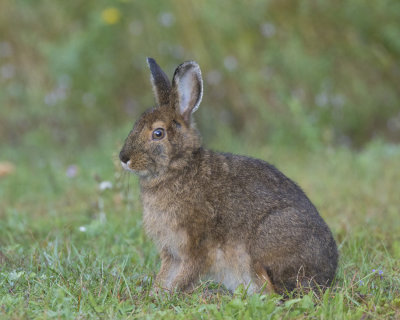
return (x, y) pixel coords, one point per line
(264, 281)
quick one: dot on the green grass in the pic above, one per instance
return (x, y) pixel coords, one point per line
(312, 76)
(70, 250)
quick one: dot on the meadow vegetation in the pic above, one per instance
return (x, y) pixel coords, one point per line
(311, 87)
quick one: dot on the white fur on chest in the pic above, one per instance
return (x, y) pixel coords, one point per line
(163, 228)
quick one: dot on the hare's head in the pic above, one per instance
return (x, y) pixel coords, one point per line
(164, 137)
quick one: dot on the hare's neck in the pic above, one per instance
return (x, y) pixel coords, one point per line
(179, 169)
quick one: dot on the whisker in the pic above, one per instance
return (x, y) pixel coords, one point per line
(126, 185)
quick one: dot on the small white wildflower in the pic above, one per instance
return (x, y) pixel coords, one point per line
(322, 99)
(71, 171)
(105, 185)
(7, 71)
(50, 99)
(166, 19)
(5, 50)
(230, 63)
(53, 97)
(267, 29)
(338, 100)
(82, 229)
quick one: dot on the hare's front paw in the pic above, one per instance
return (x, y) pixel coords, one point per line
(157, 290)
(168, 272)
(188, 276)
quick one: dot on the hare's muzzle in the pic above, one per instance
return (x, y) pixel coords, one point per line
(125, 160)
(123, 157)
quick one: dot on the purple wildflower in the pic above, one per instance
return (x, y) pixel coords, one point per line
(71, 171)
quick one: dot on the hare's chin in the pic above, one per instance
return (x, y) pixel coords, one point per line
(126, 166)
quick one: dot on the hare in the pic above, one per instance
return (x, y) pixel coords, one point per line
(218, 216)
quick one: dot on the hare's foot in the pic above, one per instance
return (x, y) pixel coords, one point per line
(189, 273)
(263, 279)
(168, 272)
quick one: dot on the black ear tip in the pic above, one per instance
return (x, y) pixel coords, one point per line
(151, 62)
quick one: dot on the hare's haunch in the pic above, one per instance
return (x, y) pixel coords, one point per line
(219, 216)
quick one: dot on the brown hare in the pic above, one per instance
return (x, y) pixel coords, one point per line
(218, 216)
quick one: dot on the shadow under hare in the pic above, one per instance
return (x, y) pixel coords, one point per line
(218, 216)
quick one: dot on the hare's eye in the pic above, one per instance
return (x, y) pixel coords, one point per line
(158, 134)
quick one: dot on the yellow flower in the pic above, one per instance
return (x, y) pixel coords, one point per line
(111, 15)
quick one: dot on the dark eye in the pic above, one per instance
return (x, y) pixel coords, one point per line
(158, 134)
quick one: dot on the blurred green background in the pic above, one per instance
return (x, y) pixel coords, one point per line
(313, 87)
(305, 73)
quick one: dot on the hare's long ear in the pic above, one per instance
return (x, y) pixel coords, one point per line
(160, 83)
(187, 89)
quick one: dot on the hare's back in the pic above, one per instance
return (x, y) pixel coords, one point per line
(252, 184)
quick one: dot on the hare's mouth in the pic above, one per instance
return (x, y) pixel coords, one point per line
(127, 166)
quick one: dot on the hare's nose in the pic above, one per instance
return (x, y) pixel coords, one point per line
(123, 157)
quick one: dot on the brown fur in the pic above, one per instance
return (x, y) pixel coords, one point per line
(228, 218)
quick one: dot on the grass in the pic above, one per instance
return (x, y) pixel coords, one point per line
(71, 250)
(312, 76)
